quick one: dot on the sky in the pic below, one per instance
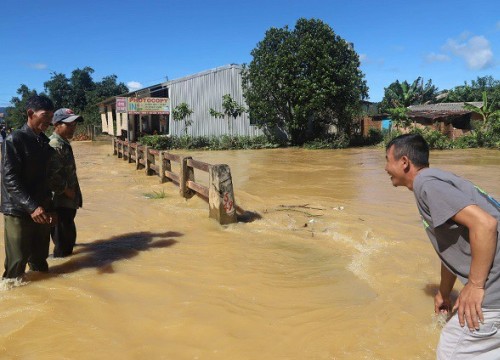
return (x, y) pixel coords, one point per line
(150, 41)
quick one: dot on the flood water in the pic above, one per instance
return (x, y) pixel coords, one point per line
(338, 267)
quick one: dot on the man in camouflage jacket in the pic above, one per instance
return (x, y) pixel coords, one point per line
(67, 197)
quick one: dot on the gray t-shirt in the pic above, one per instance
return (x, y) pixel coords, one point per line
(440, 195)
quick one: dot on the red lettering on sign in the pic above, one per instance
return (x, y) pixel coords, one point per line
(228, 203)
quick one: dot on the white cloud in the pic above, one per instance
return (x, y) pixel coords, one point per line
(134, 85)
(476, 51)
(365, 60)
(38, 66)
(433, 57)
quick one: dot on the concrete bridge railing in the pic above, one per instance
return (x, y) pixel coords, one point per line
(219, 193)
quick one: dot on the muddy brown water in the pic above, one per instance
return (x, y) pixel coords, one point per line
(338, 267)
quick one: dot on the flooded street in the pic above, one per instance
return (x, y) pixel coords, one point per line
(338, 267)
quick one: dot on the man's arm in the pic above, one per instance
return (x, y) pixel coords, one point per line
(442, 301)
(483, 241)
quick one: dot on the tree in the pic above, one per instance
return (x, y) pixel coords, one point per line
(17, 113)
(103, 89)
(81, 94)
(488, 112)
(474, 91)
(303, 80)
(59, 89)
(400, 117)
(182, 112)
(230, 109)
(402, 94)
(81, 83)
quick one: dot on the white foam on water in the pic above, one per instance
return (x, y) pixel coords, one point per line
(369, 246)
(8, 284)
(439, 320)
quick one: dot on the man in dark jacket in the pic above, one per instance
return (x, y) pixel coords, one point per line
(26, 196)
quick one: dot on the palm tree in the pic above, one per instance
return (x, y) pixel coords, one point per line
(485, 111)
(404, 94)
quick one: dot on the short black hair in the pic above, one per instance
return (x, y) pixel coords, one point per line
(39, 102)
(413, 146)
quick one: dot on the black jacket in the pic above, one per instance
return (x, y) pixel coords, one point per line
(25, 158)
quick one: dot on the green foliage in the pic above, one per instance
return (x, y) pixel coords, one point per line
(479, 137)
(79, 93)
(331, 142)
(488, 112)
(402, 95)
(225, 142)
(215, 113)
(157, 142)
(474, 91)
(375, 136)
(182, 112)
(230, 109)
(303, 80)
(156, 194)
(17, 114)
(399, 116)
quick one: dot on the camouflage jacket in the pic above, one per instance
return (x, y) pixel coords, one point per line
(62, 174)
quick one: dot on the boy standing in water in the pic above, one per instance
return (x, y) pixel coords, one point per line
(462, 223)
(64, 182)
(25, 191)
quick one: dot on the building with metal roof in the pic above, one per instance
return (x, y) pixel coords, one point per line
(201, 92)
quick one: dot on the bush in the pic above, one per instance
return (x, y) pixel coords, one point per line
(157, 142)
(331, 142)
(224, 142)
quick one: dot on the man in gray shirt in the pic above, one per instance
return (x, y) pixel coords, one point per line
(462, 222)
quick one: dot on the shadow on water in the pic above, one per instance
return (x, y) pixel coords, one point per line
(101, 254)
(432, 289)
(242, 215)
(246, 216)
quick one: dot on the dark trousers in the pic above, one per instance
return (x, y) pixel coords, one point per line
(64, 233)
(26, 242)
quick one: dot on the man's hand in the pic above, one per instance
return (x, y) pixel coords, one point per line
(442, 305)
(469, 306)
(40, 216)
(483, 241)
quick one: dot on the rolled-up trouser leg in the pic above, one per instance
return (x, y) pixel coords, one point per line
(39, 245)
(64, 233)
(25, 242)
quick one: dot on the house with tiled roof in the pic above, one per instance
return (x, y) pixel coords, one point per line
(451, 119)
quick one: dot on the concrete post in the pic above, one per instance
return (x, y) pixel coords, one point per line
(137, 157)
(119, 148)
(113, 143)
(130, 152)
(147, 162)
(220, 195)
(186, 173)
(126, 152)
(161, 167)
(168, 167)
